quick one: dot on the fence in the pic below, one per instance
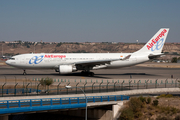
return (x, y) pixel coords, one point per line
(33, 87)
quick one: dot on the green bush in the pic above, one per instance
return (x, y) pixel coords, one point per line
(166, 95)
(127, 114)
(138, 114)
(168, 110)
(164, 118)
(135, 104)
(177, 117)
(174, 60)
(169, 95)
(143, 99)
(148, 100)
(162, 95)
(155, 102)
(46, 81)
(151, 113)
(174, 110)
(150, 107)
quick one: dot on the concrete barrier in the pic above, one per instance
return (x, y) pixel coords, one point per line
(127, 92)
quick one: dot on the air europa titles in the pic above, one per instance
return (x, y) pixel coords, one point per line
(154, 41)
(54, 56)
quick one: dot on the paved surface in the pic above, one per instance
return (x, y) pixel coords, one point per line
(142, 71)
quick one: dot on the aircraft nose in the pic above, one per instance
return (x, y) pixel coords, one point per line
(7, 62)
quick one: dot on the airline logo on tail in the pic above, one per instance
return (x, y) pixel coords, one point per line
(159, 42)
(158, 45)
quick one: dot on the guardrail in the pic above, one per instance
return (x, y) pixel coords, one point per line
(28, 105)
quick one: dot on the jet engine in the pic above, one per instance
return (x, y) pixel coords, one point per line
(65, 69)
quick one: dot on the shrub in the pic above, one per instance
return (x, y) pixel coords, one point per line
(168, 110)
(127, 114)
(148, 100)
(151, 113)
(155, 102)
(143, 99)
(169, 95)
(164, 118)
(174, 110)
(177, 117)
(138, 114)
(174, 60)
(150, 108)
(166, 95)
(162, 95)
(46, 81)
(135, 104)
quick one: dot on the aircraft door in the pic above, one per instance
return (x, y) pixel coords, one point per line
(22, 60)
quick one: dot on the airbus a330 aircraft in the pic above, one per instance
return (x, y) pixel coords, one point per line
(65, 63)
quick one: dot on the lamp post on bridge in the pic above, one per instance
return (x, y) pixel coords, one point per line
(69, 87)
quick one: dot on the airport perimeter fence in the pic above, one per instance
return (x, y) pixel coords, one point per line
(33, 87)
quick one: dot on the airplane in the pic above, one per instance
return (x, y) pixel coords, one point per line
(66, 63)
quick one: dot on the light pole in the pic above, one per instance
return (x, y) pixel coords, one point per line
(69, 87)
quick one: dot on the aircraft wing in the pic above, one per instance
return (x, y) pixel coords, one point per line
(99, 62)
(95, 62)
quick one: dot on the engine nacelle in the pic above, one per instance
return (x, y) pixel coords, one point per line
(65, 69)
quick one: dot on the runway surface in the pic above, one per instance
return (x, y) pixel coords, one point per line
(135, 72)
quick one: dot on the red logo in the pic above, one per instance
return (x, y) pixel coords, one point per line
(55, 56)
(154, 41)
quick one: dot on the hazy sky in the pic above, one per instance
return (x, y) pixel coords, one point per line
(88, 20)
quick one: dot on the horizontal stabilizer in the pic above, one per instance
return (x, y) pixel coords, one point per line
(152, 56)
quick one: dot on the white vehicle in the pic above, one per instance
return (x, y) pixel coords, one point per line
(65, 63)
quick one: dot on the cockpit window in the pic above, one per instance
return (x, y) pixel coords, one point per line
(12, 58)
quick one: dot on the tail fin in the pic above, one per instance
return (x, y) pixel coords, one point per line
(156, 43)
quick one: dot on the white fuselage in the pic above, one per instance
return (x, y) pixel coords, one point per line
(53, 60)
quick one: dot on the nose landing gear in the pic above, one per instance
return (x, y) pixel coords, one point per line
(24, 73)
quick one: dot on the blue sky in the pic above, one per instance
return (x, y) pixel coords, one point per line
(88, 20)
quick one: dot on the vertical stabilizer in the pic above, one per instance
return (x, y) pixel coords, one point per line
(156, 43)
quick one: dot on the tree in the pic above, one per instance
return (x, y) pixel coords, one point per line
(59, 44)
(46, 82)
(174, 60)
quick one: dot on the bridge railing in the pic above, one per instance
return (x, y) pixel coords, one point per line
(26, 105)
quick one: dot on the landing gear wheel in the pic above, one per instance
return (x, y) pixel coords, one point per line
(82, 72)
(91, 74)
(87, 73)
(24, 73)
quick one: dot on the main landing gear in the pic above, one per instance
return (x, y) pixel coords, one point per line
(87, 73)
(24, 73)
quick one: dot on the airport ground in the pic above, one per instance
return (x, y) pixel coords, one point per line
(141, 71)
